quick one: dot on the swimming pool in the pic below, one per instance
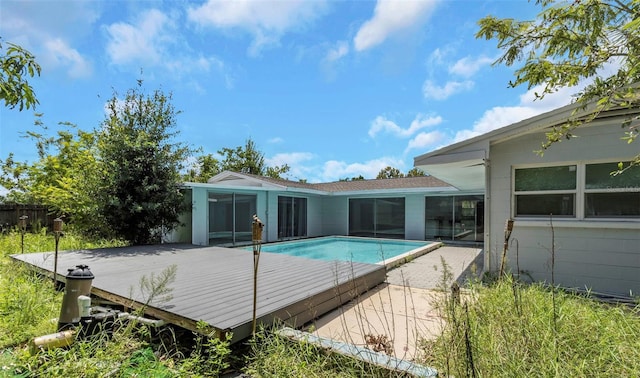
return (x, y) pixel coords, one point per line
(346, 248)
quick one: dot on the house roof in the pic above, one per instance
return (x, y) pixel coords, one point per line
(462, 164)
(236, 179)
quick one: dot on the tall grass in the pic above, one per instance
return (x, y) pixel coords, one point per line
(273, 356)
(507, 330)
(27, 302)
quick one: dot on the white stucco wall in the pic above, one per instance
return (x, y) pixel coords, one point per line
(600, 255)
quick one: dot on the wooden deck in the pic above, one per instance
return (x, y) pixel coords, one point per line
(215, 284)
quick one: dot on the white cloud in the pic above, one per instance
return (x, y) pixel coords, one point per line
(340, 50)
(432, 90)
(143, 42)
(421, 121)
(424, 140)
(390, 17)
(295, 161)
(528, 107)
(60, 54)
(153, 40)
(48, 31)
(289, 158)
(267, 21)
(467, 67)
(334, 170)
(275, 140)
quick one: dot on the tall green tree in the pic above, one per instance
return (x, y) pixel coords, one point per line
(205, 167)
(63, 178)
(415, 172)
(248, 159)
(17, 64)
(140, 195)
(389, 172)
(243, 159)
(570, 42)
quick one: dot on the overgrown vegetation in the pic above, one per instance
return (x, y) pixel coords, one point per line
(505, 328)
(29, 305)
(509, 329)
(274, 356)
(27, 301)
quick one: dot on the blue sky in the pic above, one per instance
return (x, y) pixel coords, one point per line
(335, 89)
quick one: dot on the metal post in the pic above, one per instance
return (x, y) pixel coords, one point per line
(23, 229)
(256, 238)
(57, 232)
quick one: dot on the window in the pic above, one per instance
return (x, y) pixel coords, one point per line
(546, 190)
(609, 196)
(577, 191)
(230, 217)
(292, 217)
(459, 218)
(377, 217)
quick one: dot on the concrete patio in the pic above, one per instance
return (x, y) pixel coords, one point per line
(403, 309)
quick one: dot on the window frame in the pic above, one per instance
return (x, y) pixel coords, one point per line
(607, 191)
(574, 192)
(294, 215)
(580, 193)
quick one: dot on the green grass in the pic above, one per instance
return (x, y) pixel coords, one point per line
(504, 329)
(29, 305)
(274, 356)
(509, 329)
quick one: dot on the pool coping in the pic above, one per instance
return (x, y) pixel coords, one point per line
(396, 261)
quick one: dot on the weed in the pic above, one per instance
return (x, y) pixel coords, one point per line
(508, 330)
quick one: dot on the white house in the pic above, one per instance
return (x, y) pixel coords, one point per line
(595, 216)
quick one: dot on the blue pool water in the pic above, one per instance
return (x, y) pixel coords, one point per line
(344, 248)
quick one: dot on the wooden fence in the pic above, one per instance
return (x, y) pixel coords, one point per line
(38, 216)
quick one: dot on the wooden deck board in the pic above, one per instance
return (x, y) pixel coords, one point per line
(215, 284)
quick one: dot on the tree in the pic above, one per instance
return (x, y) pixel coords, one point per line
(248, 159)
(389, 172)
(415, 172)
(63, 177)
(17, 64)
(355, 178)
(571, 42)
(276, 172)
(140, 195)
(206, 166)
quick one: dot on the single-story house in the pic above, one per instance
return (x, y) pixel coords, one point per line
(568, 193)
(413, 208)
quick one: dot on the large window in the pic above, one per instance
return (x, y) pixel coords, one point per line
(459, 218)
(577, 191)
(292, 217)
(611, 196)
(546, 190)
(230, 217)
(377, 217)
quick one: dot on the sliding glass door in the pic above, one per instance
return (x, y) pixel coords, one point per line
(455, 218)
(292, 217)
(230, 217)
(377, 217)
